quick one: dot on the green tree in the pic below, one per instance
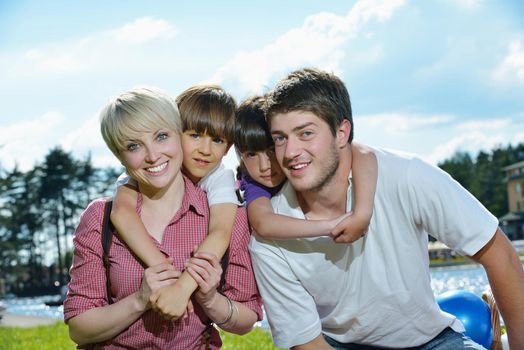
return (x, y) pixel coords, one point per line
(41, 206)
(461, 168)
(58, 171)
(20, 219)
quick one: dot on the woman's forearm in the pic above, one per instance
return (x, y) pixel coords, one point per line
(106, 322)
(237, 318)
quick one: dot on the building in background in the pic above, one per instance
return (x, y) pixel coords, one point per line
(513, 222)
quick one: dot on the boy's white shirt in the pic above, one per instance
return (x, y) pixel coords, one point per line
(219, 185)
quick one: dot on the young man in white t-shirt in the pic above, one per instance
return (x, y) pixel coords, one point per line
(375, 292)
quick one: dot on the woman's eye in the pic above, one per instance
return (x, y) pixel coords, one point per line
(250, 154)
(132, 147)
(194, 135)
(162, 136)
(218, 140)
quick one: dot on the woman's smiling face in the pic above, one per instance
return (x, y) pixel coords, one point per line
(154, 158)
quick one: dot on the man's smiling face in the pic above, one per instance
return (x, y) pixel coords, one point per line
(305, 149)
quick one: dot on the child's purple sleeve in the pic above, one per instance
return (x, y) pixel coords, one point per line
(253, 190)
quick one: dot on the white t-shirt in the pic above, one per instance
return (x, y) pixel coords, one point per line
(377, 290)
(219, 185)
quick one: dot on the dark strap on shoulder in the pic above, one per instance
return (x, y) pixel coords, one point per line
(107, 234)
(224, 262)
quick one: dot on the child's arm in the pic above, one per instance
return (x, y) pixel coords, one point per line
(365, 172)
(221, 221)
(172, 300)
(270, 225)
(219, 185)
(132, 229)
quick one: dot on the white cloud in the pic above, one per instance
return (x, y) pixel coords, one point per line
(102, 50)
(144, 29)
(318, 42)
(397, 123)
(87, 138)
(23, 142)
(495, 124)
(476, 135)
(518, 138)
(27, 142)
(472, 141)
(436, 137)
(511, 69)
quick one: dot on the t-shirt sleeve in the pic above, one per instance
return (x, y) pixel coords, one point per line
(290, 309)
(219, 186)
(125, 179)
(446, 210)
(252, 189)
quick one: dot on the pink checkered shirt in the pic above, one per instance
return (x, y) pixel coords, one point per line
(188, 228)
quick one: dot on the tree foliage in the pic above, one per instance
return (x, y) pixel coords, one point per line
(483, 176)
(39, 210)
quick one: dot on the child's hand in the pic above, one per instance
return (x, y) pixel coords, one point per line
(156, 278)
(206, 271)
(349, 229)
(172, 302)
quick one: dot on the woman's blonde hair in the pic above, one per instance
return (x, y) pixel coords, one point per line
(142, 109)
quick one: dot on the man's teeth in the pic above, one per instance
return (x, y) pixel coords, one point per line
(299, 166)
(157, 168)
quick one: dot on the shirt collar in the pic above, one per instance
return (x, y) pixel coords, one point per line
(193, 198)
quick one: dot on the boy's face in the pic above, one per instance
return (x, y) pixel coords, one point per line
(202, 153)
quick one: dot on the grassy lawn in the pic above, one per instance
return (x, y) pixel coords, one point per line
(43, 337)
(56, 337)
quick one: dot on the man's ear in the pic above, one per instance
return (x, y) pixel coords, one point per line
(343, 132)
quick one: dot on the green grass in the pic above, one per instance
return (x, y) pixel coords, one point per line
(256, 339)
(53, 337)
(56, 337)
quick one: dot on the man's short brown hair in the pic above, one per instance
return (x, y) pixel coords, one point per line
(315, 91)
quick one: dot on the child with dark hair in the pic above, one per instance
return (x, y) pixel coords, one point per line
(262, 177)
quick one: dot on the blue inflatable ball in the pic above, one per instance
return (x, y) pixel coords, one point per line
(472, 311)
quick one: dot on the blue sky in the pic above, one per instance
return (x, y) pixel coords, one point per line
(429, 77)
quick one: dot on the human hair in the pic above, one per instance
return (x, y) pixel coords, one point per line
(208, 109)
(251, 130)
(315, 91)
(141, 109)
